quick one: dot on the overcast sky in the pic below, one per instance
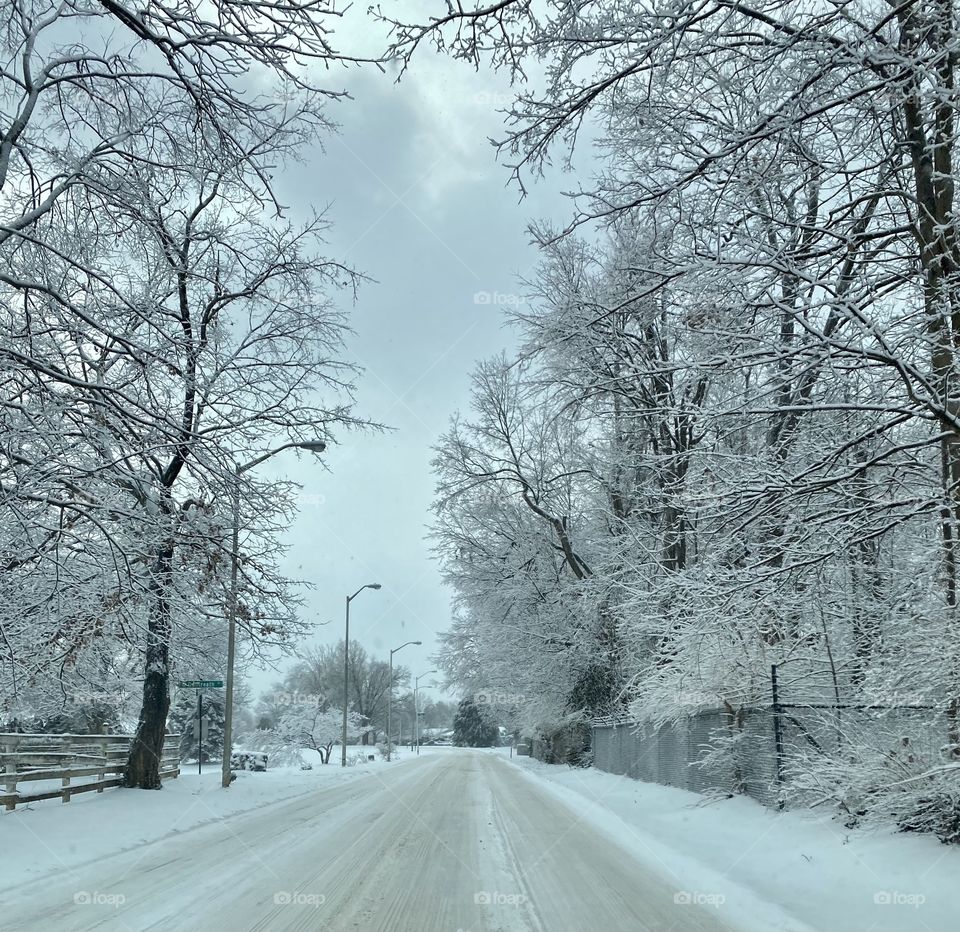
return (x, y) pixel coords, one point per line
(419, 202)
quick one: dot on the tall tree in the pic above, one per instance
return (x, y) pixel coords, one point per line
(320, 674)
(472, 728)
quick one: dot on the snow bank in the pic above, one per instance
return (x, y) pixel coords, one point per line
(50, 836)
(816, 872)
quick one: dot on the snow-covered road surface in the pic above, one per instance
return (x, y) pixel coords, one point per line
(441, 843)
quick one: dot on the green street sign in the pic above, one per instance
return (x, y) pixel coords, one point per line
(200, 684)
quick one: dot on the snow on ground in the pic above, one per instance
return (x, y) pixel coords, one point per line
(452, 840)
(756, 867)
(808, 864)
(51, 835)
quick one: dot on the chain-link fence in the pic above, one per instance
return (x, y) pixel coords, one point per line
(701, 752)
(762, 751)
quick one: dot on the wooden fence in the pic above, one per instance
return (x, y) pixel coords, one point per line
(98, 761)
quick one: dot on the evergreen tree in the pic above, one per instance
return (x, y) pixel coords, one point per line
(472, 728)
(183, 719)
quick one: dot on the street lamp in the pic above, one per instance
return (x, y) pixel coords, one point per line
(416, 706)
(390, 691)
(346, 670)
(313, 446)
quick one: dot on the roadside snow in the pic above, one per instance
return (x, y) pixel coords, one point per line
(744, 856)
(50, 836)
(758, 868)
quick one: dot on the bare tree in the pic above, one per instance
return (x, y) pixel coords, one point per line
(321, 674)
(219, 335)
(316, 728)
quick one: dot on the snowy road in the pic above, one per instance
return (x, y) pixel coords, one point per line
(459, 841)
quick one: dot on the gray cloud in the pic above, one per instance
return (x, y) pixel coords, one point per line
(419, 202)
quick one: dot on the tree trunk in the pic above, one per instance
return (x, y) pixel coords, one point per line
(146, 750)
(931, 137)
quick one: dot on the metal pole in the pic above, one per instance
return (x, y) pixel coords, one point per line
(231, 633)
(416, 705)
(314, 446)
(200, 732)
(346, 693)
(390, 696)
(389, 704)
(777, 724)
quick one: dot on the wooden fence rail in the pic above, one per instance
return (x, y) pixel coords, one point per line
(34, 758)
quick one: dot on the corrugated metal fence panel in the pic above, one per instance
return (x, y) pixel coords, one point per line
(619, 749)
(643, 753)
(650, 755)
(702, 731)
(606, 750)
(756, 759)
(670, 754)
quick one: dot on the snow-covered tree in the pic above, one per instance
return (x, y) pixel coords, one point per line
(184, 720)
(319, 675)
(316, 728)
(472, 727)
(751, 321)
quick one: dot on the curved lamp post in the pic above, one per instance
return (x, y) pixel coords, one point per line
(346, 671)
(390, 692)
(313, 446)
